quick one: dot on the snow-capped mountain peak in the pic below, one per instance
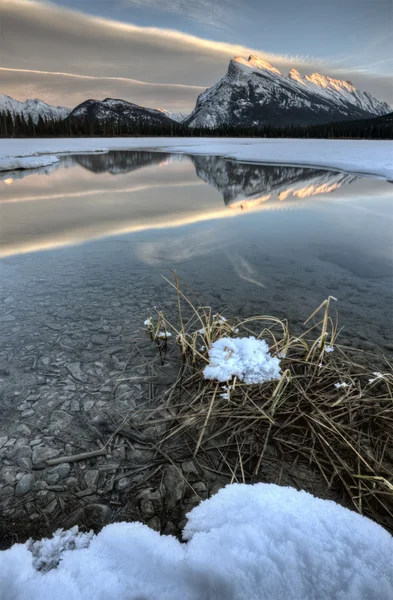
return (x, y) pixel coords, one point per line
(255, 63)
(295, 75)
(253, 92)
(179, 117)
(33, 107)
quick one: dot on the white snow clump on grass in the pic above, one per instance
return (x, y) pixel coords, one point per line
(248, 542)
(246, 358)
(164, 335)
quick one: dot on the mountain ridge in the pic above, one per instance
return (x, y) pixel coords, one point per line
(254, 92)
(116, 111)
(33, 107)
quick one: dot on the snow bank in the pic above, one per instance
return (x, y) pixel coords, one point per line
(260, 542)
(372, 157)
(30, 162)
(248, 359)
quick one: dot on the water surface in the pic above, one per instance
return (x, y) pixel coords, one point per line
(98, 230)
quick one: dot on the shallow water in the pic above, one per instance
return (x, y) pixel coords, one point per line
(249, 238)
(83, 246)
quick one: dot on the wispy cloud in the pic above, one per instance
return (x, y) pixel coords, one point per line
(66, 56)
(210, 13)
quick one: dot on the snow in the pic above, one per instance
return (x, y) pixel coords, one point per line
(31, 162)
(47, 553)
(255, 63)
(367, 157)
(256, 82)
(179, 117)
(35, 108)
(247, 359)
(164, 335)
(256, 542)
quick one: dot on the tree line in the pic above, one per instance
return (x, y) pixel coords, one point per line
(16, 125)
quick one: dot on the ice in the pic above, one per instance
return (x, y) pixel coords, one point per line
(247, 359)
(248, 542)
(30, 162)
(370, 157)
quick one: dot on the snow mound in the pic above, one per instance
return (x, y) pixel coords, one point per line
(248, 359)
(12, 163)
(47, 553)
(259, 542)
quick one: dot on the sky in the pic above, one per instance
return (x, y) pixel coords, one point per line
(163, 53)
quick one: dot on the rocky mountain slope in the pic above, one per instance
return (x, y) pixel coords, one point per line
(36, 108)
(115, 111)
(179, 117)
(253, 93)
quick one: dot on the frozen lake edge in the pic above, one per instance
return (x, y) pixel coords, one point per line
(365, 157)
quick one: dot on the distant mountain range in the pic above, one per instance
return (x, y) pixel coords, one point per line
(34, 108)
(253, 93)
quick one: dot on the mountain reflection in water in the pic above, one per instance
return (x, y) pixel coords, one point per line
(242, 185)
(91, 196)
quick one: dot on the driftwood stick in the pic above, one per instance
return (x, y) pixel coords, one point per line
(74, 457)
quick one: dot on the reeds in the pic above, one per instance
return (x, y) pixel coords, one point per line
(327, 418)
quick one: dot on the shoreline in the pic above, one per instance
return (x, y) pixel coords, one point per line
(373, 158)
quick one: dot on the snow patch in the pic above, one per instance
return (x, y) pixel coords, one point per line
(47, 553)
(13, 163)
(247, 359)
(256, 542)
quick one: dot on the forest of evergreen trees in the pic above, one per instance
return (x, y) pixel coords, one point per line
(17, 126)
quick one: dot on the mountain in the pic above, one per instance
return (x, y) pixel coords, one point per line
(36, 108)
(113, 111)
(248, 185)
(254, 93)
(179, 117)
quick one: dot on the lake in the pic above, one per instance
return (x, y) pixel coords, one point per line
(83, 247)
(253, 238)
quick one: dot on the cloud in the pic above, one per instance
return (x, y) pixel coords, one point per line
(64, 57)
(214, 15)
(69, 89)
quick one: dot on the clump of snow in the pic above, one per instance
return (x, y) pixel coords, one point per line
(163, 335)
(225, 394)
(341, 384)
(13, 163)
(220, 319)
(378, 375)
(47, 553)
(248, 542)
(248, 359)
(329, 349)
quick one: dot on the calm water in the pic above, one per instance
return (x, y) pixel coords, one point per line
(88, 239)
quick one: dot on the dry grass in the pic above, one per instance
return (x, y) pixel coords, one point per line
(340, 436)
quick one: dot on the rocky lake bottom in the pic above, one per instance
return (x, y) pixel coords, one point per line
(83, 248)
